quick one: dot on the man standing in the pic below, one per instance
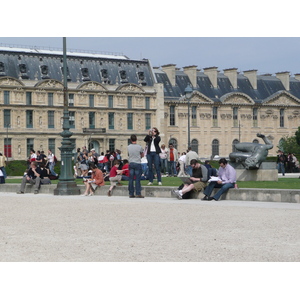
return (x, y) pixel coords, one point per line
(33, 176)
(226, 181)
(172, 160)
(199, 180)
(135, 153)
(189, 156)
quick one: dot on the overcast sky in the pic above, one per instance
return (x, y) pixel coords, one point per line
(266, 54)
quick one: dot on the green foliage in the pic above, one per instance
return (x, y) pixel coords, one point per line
(16, 167)
(289, 145)
(297, 134)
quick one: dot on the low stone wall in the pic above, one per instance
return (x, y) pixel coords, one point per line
(243, 194)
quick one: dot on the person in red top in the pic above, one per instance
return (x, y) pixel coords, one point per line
(95, 181)
(114, 176)
(125, 170)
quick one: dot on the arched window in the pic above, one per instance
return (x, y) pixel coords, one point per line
(174, 142)
(194, 145)
(215, 147)
(236, 141)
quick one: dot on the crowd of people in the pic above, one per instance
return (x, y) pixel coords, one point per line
(287, 163)
(148, 162)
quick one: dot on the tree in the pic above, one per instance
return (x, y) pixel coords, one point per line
(289, 144)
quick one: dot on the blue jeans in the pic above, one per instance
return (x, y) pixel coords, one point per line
(172, 167)
(51, 168)
(222, 189)
(189, 170)
(135, 170)
(281, 168)
(163, 165)
(153, 158)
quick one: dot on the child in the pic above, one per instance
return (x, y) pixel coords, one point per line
(114, 177)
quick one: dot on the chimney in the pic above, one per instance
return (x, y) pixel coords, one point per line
(297, 76)
(252, 76)
(170, 71)
(232, 75)
(212, 74)
(191, 72)
(285, 79)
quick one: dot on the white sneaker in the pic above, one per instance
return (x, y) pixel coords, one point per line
(150, 183)
(177, 194)
(159, 183)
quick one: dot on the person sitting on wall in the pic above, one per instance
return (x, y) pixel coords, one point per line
(96, 180)
(226, 180)
(33, 176)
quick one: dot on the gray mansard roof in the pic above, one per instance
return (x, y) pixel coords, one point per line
(267, 85)
(33, 64)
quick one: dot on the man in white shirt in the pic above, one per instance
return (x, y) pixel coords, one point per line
(189, 156)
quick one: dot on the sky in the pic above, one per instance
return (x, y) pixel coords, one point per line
(264, 54)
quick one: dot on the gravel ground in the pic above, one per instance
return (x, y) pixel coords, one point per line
(47, 228)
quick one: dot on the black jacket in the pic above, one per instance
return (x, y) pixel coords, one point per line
(148, 140)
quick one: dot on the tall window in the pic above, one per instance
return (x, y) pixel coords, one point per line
(91, 101)
(29, 145)
(215, 116)
(110, 101)
(130, 121)
(172, 115)
(71, 99)
(147, 121)
(111, 120)
(51, 119)
(235, 117)
(215, 148)
(111, 145)
(194, 145)
(29, 118)
(6, 97)
(7, 147)
(147, 102)
(281, 117)
(28, 98)
(174, 142)
(51, 145)
(72, 119)
(129, 102)
(91, 119)
(50, 99)
(254, 117)
(6, 118)
(194, 115)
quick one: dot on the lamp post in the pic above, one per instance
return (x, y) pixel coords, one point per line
(66, 184)
(188, 95)
(6, 144)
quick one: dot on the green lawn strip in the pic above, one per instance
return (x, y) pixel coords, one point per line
(282, 183)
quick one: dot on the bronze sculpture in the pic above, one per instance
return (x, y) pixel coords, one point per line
(251, 155)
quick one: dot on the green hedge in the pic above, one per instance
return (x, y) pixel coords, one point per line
(18, 167)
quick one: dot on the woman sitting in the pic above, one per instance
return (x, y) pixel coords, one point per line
(95, 181)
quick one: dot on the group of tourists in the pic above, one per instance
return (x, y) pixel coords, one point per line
(287, 163)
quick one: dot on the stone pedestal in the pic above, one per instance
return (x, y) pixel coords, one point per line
(266, 172)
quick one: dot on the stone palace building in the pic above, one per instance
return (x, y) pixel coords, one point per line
(112, 96)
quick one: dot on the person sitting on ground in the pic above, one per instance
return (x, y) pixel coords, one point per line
(114, 176)
(33, 176)
(226, 181)
(96, 180)
(199, 179)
